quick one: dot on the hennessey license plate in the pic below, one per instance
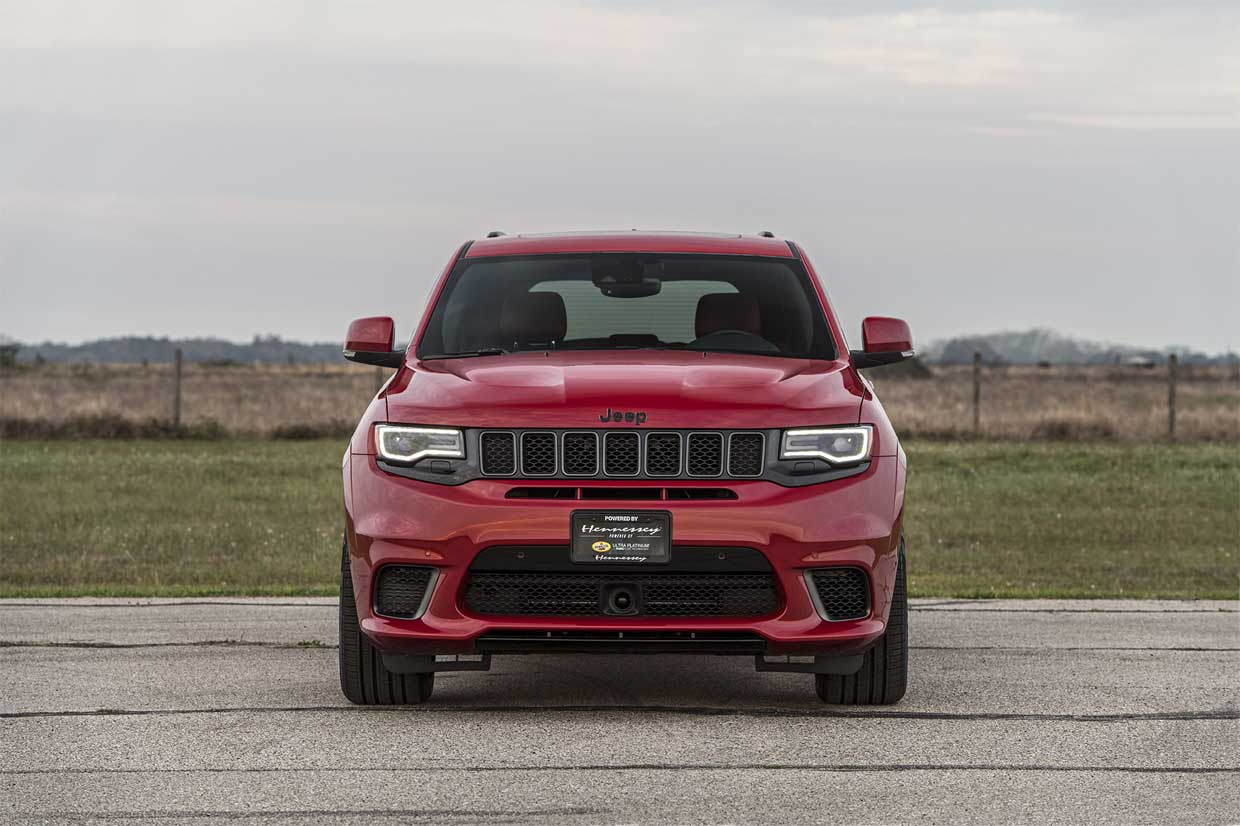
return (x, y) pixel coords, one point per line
(622, 537)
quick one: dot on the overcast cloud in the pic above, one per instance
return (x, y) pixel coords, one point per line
(232, 168)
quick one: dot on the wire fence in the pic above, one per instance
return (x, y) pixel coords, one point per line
(1118, 402)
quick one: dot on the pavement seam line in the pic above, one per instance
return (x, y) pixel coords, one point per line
(703, 711)
(823, 767)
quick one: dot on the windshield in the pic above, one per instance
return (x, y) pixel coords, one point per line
(764, 306)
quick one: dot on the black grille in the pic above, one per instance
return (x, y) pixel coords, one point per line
(401, 589)
(499, 454)
(621, 454)
(844, 593)
(656, 595)
(538, 454)
(663, 454)
(580, 454)
(745, 454)
(705, 454)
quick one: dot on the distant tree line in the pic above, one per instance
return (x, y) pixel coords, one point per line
(1048, 347)
(269, 349)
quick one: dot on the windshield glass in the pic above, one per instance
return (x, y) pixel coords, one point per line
(763, 306)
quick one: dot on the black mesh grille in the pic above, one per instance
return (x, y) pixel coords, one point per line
(663, 454)
(400, 590)
(538, 454)
(705, 454)
(843, 592)
(745, 454)
(621, 454)
(659, 595)
(499, 454)
(580, 454)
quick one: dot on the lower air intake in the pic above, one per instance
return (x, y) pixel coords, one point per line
(652, 595)
(402, 590)
(843, 593)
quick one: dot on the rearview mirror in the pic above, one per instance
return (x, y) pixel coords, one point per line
(627, 278)
(886, 341)
(371, 341)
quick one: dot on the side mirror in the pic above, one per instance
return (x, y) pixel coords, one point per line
(886, 341)
(371, 341)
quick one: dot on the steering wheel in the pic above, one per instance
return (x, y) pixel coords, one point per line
(741, 340)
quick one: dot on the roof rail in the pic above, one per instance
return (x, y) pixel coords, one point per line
(766, 233)
(495, 233)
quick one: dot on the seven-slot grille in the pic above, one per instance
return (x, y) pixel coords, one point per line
(622, 453)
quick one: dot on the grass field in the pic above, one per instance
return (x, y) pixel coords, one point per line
(984, 519)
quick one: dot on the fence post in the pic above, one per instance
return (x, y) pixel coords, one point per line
(1173, 367)
(977, 393)
(176, 394)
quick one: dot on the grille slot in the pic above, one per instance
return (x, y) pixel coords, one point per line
(660, 595)
(538, 454)
(843, 593)
(621, 454)
(580, 454)
(705, 454)
(402, 589)
(746, 454)
(663, 454)
(499, 453)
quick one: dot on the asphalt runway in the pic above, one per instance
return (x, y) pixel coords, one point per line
(200, 711)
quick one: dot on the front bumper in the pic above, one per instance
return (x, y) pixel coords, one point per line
(848, 522)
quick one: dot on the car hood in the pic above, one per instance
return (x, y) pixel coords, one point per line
(675, 389)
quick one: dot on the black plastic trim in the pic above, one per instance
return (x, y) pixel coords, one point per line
(685, 559)
(863, 360)
(391, 358)
(614, 642)
(786, 473)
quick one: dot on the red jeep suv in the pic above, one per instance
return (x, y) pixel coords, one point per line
(625, 442)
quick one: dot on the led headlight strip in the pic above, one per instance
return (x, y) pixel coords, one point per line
(837, 445)
(399, 443)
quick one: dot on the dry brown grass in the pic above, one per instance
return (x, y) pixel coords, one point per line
(1069, 403)
(260, 400)
(304, 401)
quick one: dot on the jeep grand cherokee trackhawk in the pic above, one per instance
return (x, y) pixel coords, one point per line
(625, 442)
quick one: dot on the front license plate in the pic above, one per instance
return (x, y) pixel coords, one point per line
(622, 537)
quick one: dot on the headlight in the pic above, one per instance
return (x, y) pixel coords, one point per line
(837, 445)
(398, 443)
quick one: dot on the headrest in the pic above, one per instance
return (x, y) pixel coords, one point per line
(727, 311)
(530, 317)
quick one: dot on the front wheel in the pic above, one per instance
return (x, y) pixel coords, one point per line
(363, 679)
(883, 675)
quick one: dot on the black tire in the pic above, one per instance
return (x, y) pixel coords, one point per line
(883, 676)
(363, 679)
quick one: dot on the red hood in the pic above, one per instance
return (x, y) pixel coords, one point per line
(673, 389)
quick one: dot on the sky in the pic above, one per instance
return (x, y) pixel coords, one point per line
(236, 167)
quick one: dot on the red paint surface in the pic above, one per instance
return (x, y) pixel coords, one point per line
(630, 242)
(848, 521)
(880, 334)
(371, 335)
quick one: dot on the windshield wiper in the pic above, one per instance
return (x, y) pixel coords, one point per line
(493, 351)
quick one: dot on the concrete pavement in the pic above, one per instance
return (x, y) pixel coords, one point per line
(194, 711)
